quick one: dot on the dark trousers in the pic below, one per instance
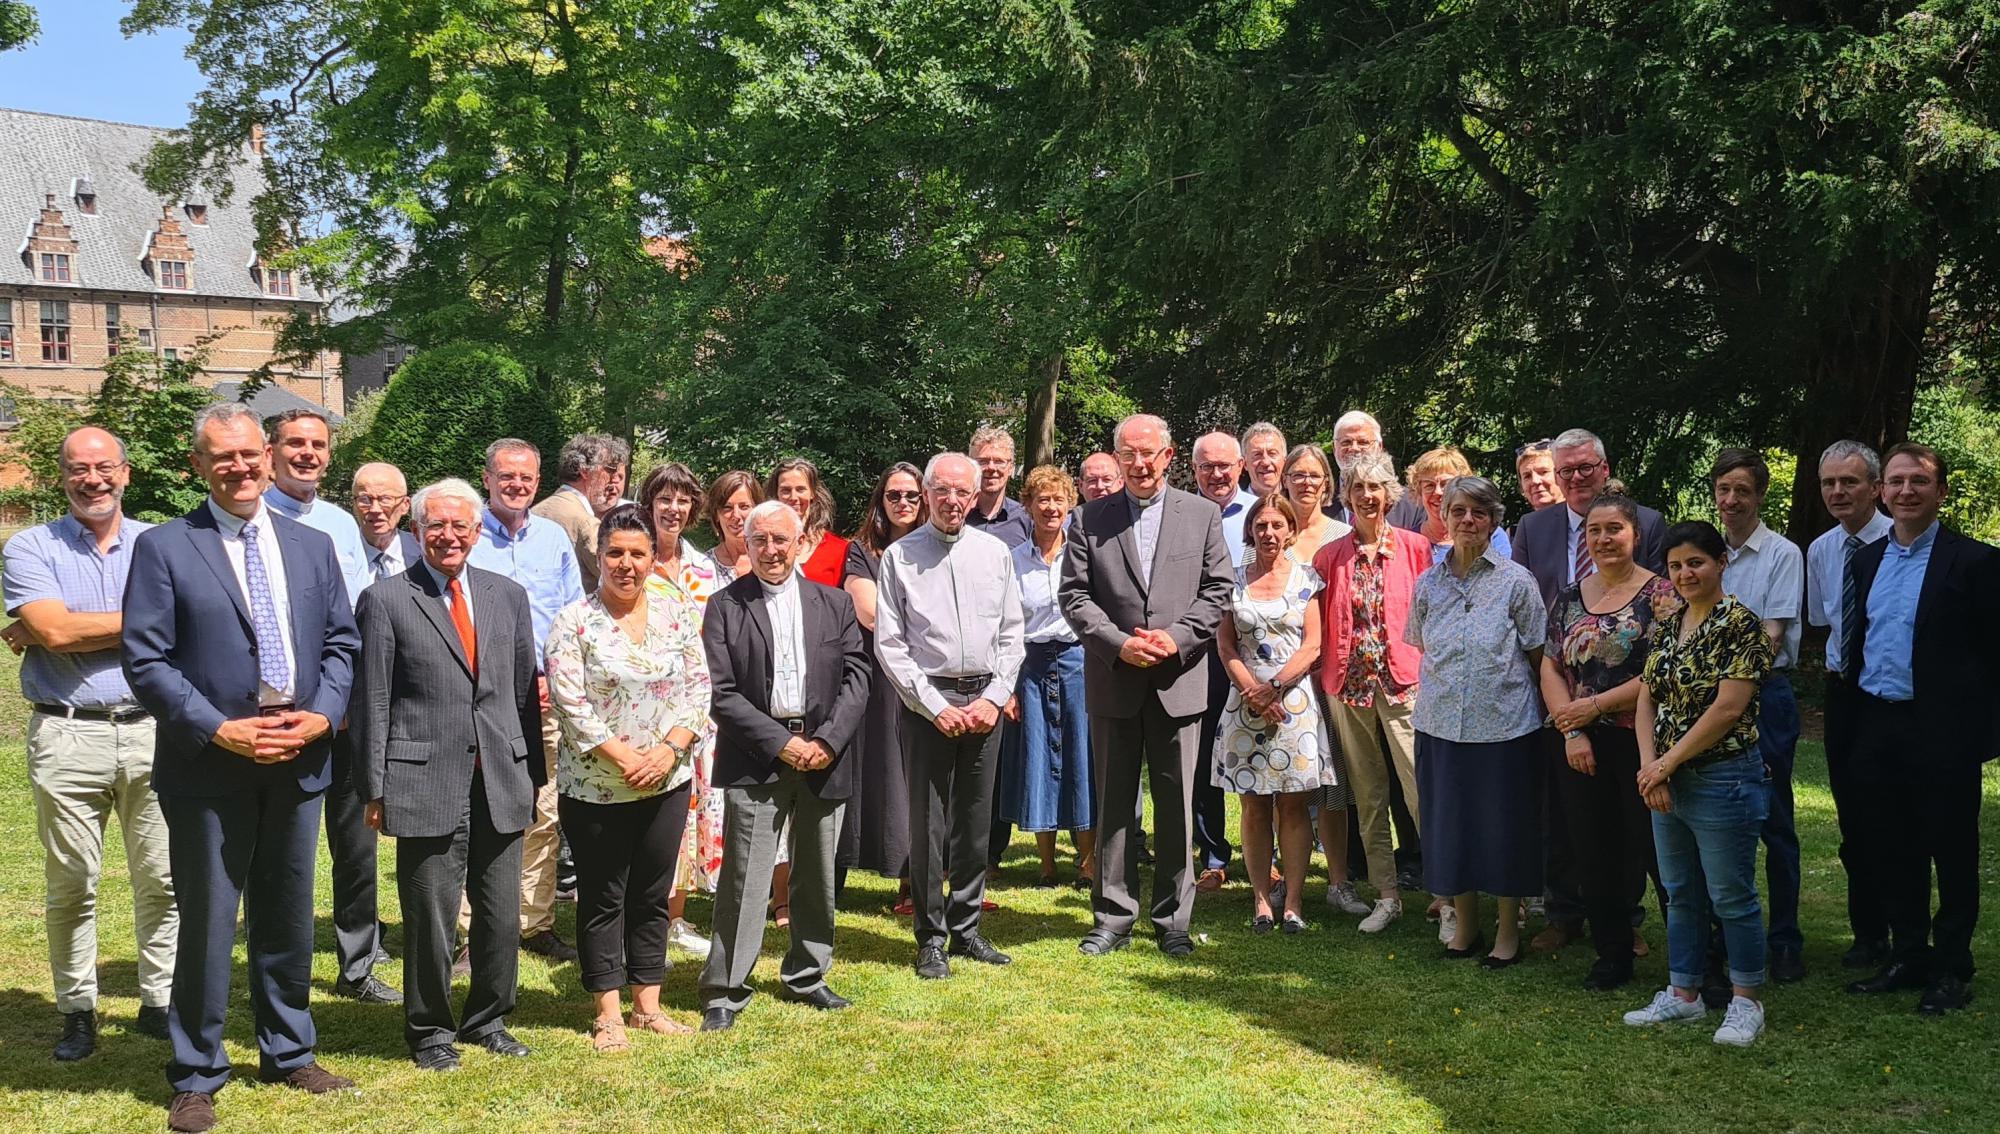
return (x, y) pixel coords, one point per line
(1211, 817)
(1562, 894)
(257, 848)
(1867, 915)
(951, 805)
(1001, 832)
(483, 865)
(625, 857)
(1610, 829)
(1917, 821)
(350, 845)
(1777, 743)
(1119, 748)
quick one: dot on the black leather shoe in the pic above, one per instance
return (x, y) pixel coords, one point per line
(442, 1057)
(1097, 944)
(1787, 966)
(822, 998)
(1945, 994)
(931, 964)
(1489, 961)
(1865, 955)
(1174, 943)
(1606, 975)
(500, 1041)
(368, 990)
(547, 944)
(152, 1022)
(718, 1020)
(1894, 977)
(79, 1037)
(979, 949)
(1467, 953)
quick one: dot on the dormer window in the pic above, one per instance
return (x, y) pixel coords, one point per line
(86, 203)
(55, 267)
(171, 274)
(278, 281)
(197, 214)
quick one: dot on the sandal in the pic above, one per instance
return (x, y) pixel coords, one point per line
(658, 1023)
(608, 1035)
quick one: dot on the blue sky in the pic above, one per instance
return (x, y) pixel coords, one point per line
(83, 65)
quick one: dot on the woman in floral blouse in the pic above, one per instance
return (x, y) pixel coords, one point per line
(1700, 772)
(1601, 631)
(628, 681)
(1369, 674)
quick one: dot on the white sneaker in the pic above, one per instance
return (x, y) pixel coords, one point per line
(1386, 910)
(1742, 1023)
(1668, 1008)
(1341, 896)
(1447, 924)
(682, 936)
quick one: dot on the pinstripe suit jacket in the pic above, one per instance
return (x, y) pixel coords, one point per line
(420, 721)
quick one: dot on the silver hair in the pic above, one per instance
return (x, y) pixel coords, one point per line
(587, 451)
(222, 413)
(1578, 438)
(62, 450)
(1220, 436)
(990, 435)
(1371, 468)
(1155, 421)
(511, 445)
(931, 466)
(1261, 429)
(1841, 450)
(1481, 493)
(1357, 417)
(773, 508)
(450, 488)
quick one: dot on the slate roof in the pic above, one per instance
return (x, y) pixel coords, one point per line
(274, 399)
(47, 153)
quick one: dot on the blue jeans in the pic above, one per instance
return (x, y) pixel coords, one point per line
(1777, 740)
(1708, 861)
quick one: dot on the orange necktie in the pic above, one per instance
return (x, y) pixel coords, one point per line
(461, 618)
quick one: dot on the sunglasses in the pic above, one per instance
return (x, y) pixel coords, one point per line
(902, 496)
(1541, 446)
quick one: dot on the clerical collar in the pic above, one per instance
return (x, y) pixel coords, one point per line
(790, 584)
(945, 536)
(1143, 502)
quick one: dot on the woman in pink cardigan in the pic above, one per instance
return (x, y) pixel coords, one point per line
(1368, 673)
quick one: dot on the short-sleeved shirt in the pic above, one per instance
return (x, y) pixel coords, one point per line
(604, 686)
(1684, 677)
(1477, 685)
(60, 560)
(1598, 652)
(1768, 575)
(1010, 523)
(1826, 579)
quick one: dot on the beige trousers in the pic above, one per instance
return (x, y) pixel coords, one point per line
(1362, 736)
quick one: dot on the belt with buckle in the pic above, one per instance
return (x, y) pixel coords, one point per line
(115, 716)
(976, 683)
(794, 725)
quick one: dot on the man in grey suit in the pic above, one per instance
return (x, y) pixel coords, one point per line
(1146, 581)
(444, 704)
(788, 688)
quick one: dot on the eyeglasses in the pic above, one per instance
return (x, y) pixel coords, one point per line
(902, 496)
(1306, 477)
(455, 527)
(1542, 446)
(1215, 468)
(954, 493)
(370, 500)
(1146, 456)
(102, 471)
(1586, 469)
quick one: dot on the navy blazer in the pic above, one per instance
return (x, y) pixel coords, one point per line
(191, 655)
(1541, 544)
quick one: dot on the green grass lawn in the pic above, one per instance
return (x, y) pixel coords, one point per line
(1331, 1031)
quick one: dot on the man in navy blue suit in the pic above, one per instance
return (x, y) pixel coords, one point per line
(239, 640)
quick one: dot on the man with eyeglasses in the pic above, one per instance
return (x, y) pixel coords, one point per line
(381, 499)
(996, 513)
(1355, 435)
(90, 745)
(1100, 477)
(301, 444)
(1549, 542)
(1218, 468)
(1535, 465)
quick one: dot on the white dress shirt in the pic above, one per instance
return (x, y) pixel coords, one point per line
(268, 548)
(1576, 523)
(386, 562)
(1768, 575)
(788, 648)
(948, 606)
(1039, 582)
(1826, 567)
(464, 589)
(1146, 515)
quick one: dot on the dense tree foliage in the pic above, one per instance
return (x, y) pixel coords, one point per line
(445, 406)
(18, 25)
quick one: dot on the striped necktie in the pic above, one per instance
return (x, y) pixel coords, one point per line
(1584, 567)
(1850, 604)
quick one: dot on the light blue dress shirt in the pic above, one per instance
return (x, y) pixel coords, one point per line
(540, 558)
(1233, 514)
(348, 546)
(60, 560)
(1892, 617)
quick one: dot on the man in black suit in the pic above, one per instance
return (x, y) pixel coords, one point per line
(789, 687)
(381, 501)
(444, 704)
(1925, 624)
(238, 639)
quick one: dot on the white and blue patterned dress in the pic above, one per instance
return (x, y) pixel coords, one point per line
(1252, 755)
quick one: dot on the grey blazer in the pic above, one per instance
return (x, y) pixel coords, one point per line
(420, 721)
(1104, 599)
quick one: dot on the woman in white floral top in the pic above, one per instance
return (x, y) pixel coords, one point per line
(628, 682)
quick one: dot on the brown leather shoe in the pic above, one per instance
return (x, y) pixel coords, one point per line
(1556, 935)
(312, 1079)
(191, 1112)
(1210, 881)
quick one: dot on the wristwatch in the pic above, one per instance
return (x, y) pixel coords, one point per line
(1572, 734)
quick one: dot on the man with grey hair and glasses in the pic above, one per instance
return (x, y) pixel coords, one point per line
(1355, 434)
(592, 469)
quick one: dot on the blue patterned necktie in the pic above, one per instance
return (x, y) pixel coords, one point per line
(1850, 604)
(271, 664)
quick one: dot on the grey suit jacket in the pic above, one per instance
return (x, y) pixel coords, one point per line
(421, 722)
(1104, 599)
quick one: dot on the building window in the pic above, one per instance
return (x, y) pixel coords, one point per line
(278, 281)
(111, 329)
(171, 355)
(55, 330)
(6, 330)
(173, 274)
(86, 203)
(55, 267)
(9, 416)
(197, 214)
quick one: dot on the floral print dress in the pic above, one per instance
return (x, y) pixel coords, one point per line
(1252, 755)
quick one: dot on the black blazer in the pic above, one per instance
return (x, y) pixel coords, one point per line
(1541, 544)
(1953, 663)
(736, 630)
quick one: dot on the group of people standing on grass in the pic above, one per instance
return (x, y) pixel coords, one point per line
(1550, 714)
